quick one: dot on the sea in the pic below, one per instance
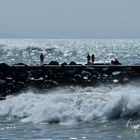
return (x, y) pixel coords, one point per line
(101, 112)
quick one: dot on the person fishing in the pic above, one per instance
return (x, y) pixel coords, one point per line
(92, 58)
(41, 59)
(88, 59)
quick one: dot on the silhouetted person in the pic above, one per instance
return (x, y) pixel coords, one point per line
(88, 59)
(41, 59)
(92, 58)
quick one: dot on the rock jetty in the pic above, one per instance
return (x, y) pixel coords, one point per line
(16, 78)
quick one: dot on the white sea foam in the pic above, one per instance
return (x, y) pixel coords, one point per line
(70, 104)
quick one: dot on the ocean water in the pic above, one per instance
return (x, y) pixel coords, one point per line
(103, 112)
(28, 50)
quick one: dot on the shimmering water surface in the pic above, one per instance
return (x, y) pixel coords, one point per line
(28, 50)
(104, 112)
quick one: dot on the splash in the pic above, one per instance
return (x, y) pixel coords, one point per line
(74, 104)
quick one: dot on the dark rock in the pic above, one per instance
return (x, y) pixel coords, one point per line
(36, 73)
(2, 98)
(78, 70)
(69, 81)
(68, 73)
(115, 62)
(85, 73)
(53, 63)
(14, 78)
(6, 67)
(49, 83)
(78, 78)
(3, 86)
(89, 63)
(20, 64)
(63, 64)
(2, 82)
(125, 80)
(22, 77)
(7, 71)
(72, 63)
(12, 87)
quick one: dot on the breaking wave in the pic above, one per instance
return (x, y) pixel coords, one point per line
(74, 104)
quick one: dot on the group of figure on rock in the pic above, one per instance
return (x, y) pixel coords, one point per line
(90, 60)
(115, 62)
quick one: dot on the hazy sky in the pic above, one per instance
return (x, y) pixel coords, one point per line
(70, 18)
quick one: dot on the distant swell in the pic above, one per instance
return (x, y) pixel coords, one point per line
(74, 104)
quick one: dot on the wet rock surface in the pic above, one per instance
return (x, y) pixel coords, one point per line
(16, 78)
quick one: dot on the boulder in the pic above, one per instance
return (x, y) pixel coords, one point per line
(20, 64)
(63, 64)
(72, 63)
(53, 63)
(7, 70)
(48, 84)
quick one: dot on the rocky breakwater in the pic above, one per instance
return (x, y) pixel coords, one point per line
(15, 78)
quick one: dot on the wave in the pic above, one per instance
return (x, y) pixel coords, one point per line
(28, 50)
(30, 55)
(74, 104)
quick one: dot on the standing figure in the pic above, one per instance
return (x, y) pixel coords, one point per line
(41, 59)
(88, 59)
(93, 58)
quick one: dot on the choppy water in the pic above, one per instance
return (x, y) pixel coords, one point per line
(28, 50)
(104, 112)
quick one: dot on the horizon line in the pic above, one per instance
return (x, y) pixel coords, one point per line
(68, 38)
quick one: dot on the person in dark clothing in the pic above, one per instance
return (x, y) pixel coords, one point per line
(41, 59)
(92, 58)
(88, 59)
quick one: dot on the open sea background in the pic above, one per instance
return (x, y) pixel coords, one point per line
(103, 112)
